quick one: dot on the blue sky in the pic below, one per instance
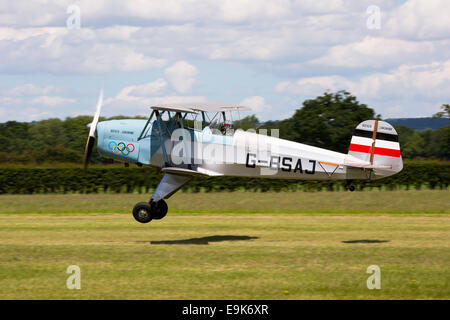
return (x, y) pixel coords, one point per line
(269, 55)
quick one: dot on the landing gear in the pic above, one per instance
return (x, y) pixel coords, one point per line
(142, 212)
(349, 186)
(145, 212)
(159, 209)
(156, 208)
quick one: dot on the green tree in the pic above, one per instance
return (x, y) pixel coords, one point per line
(50, 132)
(249, 122)
(57, 154)
(445, 113)
(414, 145)
(14, 137)
(327, 121)
(444, 142)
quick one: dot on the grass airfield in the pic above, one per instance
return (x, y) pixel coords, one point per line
(228, 246)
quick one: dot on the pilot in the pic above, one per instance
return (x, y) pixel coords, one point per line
(227, 128)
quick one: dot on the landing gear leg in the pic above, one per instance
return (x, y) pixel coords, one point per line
(157, 208)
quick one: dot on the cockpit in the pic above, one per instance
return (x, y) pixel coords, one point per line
(194, 116)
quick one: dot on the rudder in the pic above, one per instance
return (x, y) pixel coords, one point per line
(376, 142)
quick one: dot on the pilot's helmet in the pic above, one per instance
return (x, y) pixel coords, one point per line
(228, 124)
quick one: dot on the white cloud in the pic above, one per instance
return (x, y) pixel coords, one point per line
(256, 103)
(30, 89)
(112, 57)
(141, 35)
(10, 102)
(418, 19)
(151, 88)
(238, 11)
(29, 102)
(181, 75)
(427, 81)
(376, 52)
(257, 31)
(324, 44)
(138, 98)
(311, 86)
(134, 105)
(27, 113)
(409, 87)
(59, 50)
(51, 101)
(40, 13)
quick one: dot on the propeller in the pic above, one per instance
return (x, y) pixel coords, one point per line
(93, 126)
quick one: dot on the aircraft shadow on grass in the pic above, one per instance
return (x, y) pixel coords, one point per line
(204, 240)
(365, 241)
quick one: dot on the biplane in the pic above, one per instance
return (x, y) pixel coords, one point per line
(187, 140)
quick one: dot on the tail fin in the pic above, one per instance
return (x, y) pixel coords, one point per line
(376, 142)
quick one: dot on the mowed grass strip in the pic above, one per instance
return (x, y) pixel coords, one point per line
(245, 256)
(426, 201)
(208, 247)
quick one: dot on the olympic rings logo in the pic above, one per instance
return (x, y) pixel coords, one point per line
(121, 148)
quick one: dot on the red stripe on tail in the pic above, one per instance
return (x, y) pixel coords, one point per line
(378, 151)
(359, 148)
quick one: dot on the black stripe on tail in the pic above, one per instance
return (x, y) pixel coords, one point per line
(380, 135)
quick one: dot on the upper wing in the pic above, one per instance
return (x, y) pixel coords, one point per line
(194, 107)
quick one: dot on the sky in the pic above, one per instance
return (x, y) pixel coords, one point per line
(55, 56)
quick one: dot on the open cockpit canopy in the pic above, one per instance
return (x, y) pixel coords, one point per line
(216, 115)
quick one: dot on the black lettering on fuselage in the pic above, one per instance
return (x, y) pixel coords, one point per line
(276, 162)
(313, 167)
(247, 163)
(298, 166)
(286, 166)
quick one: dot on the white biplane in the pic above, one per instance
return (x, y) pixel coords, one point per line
(197, 140)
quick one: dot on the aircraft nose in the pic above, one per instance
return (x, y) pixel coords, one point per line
(101, 128)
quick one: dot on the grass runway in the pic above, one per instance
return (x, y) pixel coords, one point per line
(228, 246)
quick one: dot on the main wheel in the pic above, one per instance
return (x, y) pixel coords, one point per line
(142, 212)
(158, 209)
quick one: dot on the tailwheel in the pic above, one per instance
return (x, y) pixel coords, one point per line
(158, 209)
(142, 212)
(349, 185)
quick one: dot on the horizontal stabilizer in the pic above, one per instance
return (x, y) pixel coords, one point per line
(367, 166)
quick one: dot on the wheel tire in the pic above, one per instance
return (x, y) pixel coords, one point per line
(159, 209)
(142, 212)
(351, 188)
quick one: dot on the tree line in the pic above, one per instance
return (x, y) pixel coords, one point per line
(416, 174)
(328, 121)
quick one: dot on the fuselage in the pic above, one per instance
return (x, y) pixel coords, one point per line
(245, 154)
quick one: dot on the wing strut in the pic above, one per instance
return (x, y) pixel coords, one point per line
(161, 138)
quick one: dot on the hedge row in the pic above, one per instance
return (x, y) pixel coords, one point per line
(415, 175)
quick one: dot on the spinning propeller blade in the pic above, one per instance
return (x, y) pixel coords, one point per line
(91, 138)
